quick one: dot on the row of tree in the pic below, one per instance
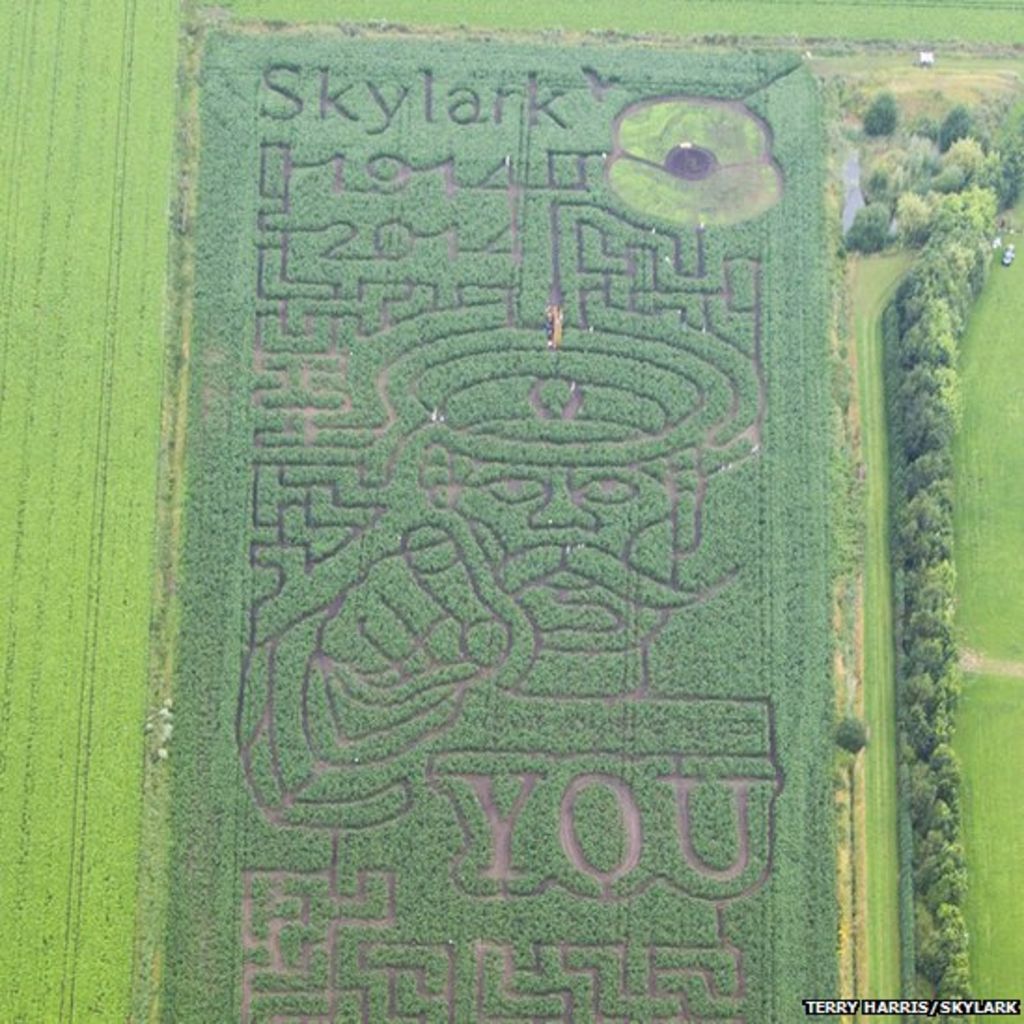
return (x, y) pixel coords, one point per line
(906, 181)
(925, 325)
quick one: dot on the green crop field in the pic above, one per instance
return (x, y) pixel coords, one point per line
(990, 721)
(990, 472)
(85, 172)
(970, 20)
(504, 689)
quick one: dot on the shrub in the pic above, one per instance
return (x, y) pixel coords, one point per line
(966, 154)
(852, 734)
(882, 115)
(1010, 146)
(952, 179)
(926, 128)
(913, 218)
(870, 229)
(957, 125)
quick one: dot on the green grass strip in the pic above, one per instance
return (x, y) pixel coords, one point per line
(989, 459)
(990, 721)
(874, 281)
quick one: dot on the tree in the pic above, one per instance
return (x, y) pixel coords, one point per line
(945, 767)
(934, 468)
(970, 213)
(922, 796)
(950, 179)
(956, 980)
(851, 734)
(1011, 161)
(926, 128)
(870, 228)
(914, 218)
(941, 947)
(957, 125)
(882, 115)
(966, 154)
(925, 530)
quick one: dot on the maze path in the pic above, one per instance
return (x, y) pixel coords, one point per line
(662, 390)
(608, 984)
(290, 934)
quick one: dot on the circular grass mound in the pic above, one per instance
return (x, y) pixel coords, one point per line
(692, 160)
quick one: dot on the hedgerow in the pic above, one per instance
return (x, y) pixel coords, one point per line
(922, 331)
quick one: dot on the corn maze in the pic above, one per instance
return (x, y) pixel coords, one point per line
(504, 674)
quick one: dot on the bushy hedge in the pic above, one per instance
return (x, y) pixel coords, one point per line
(931, 310)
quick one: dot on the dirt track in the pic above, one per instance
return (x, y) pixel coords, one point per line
(974, 661)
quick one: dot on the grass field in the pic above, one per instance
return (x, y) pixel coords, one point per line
(990, 722)
(968, 20)
(872, 283)
(989, 460)
(496, 655)
(85, 172)
(970, 78)
(990, 472)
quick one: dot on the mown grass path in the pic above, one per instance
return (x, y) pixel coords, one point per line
(873, 280)
(85, 170)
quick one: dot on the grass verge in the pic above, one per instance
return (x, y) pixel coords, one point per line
(872, 283)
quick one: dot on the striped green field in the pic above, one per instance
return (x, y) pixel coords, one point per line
(990, 722)
(990, 472)
(989, 460)
(85, 169)
(968, 20)
(874, 279)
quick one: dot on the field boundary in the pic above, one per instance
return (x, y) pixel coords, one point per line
(154, 852)
(927, 662)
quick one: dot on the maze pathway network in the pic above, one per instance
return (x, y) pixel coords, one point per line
(492, 781)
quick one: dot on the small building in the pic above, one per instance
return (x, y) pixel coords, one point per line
(926, 59)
